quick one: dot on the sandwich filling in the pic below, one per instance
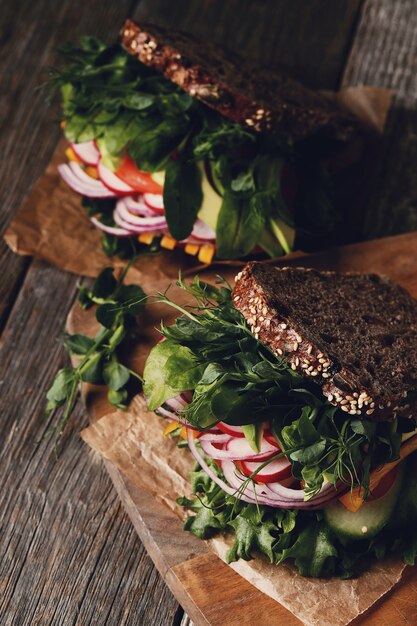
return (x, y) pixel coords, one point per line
(155, 166)
(293, 475)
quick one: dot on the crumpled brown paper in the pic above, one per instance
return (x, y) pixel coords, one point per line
(134, 443)
(52, 225)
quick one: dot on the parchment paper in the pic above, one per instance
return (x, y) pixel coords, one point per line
(52, 225)
(134, 443)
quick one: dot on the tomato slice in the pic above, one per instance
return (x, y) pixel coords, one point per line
(140, 181)
(384, 485)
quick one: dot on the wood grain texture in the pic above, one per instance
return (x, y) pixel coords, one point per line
(68, 554)
(191, 571)
(31, 32)
(385, 54)
(309, 39)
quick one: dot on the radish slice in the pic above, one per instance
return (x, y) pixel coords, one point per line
(242, 447)
(211, 473)
(138, 207)
(235, 431)
(202, 231)
(262, 495)
(238, 449)
(216, 438)
(270, 437)
(111, 230)
(113, 182)
(81, 183)
(276, 470)
(154, 201)
(87, 152)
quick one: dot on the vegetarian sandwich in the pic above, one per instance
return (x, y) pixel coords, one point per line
(296, 392)
(178, 143)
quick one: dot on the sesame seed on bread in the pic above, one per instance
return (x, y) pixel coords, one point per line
(353, 334)
(247, 93)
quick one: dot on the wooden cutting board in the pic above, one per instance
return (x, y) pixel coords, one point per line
(211, 592)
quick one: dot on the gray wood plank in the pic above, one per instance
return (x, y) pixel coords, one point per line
(385, 54)
(31, 32)
(310, 39)
(68, 553)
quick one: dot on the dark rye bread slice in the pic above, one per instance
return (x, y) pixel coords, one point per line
(353, 334)
(249, 94)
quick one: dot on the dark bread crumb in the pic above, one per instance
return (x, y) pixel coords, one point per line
(355, 334)
(247, 93)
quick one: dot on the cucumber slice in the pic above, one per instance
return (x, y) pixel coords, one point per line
(369, 520)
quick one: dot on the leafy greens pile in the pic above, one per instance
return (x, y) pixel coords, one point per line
(302, 536)
(99, 356)
(110, 96)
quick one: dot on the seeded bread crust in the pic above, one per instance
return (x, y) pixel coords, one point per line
(252, 297)
(249, 94)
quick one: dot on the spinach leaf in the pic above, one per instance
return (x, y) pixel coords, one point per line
(151, 149)
(170, 369)
(182, 196)
(239, 226)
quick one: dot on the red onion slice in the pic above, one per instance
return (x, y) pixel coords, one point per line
(262, 495)
(138, 207)
(87, 152)
(135, 230)
(81, 183)
(327, 492)
(187, 396)
(111, 230)
(176, 404)
(211, 473)
(135, 221)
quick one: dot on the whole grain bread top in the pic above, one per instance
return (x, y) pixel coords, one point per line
(259, 98)
(355, 335)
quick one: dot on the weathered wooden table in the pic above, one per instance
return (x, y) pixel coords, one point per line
(68, 554)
